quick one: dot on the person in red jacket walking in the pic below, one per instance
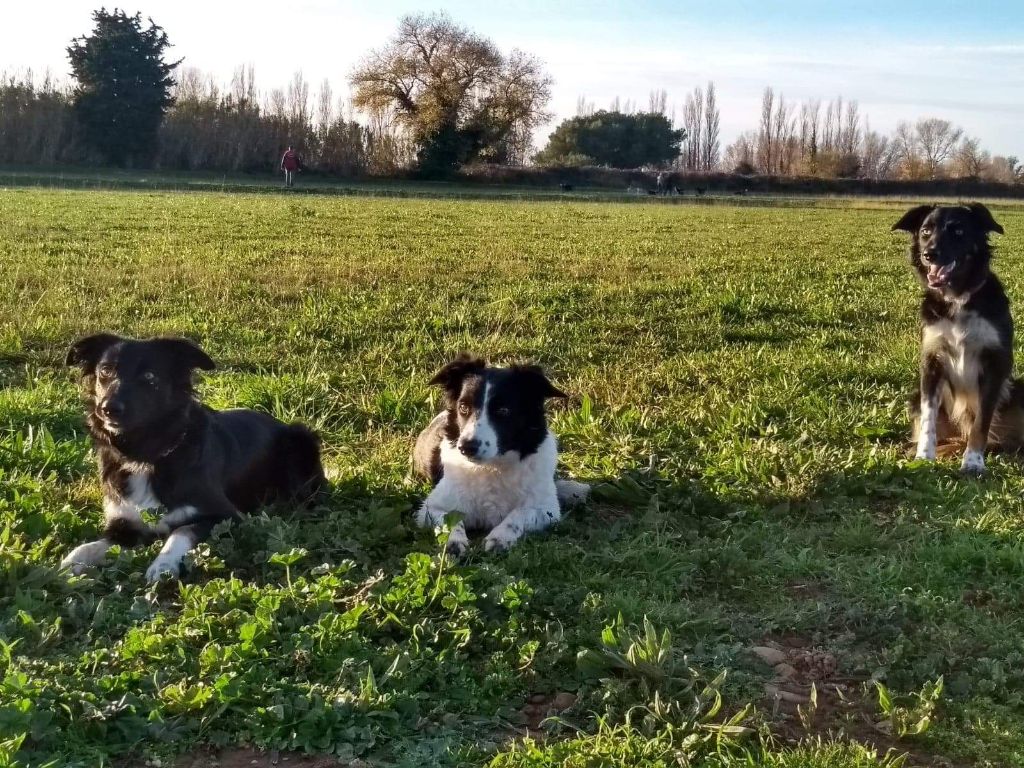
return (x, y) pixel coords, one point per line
(289, 164)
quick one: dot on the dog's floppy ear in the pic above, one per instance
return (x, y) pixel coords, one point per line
(187, 354)
(450, 377)
(88, 350)
(983, 216)
(536, 380)
(911, 221)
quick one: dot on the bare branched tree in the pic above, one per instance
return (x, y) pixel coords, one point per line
(325, 105)
(766, 133)
(970, 160)
(658, 102)
(936, 139)
(712, 128)
(850, 135)
(693, 123)
(878, 155)
(741, 155)
(455, 93)
(785, 146)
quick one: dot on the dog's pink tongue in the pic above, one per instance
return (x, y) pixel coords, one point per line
(936, 275)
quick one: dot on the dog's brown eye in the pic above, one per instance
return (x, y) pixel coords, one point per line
(149, 377)
(958, 232)
(503, 411)
(105, 371)
(925, 231)
(463, 409)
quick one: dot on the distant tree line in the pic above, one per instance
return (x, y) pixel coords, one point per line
(208, 127)
(838, 142)
(434, 98)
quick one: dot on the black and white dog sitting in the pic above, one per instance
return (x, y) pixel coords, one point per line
(491, 455)
(158, 447)
(966, 389)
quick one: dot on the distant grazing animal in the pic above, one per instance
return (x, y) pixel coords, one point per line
(491, 455)
(701, 191)
(158, 447)
(680, 191)
(565, 187)
(966, 390)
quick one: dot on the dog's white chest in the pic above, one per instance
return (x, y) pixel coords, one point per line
(138, 495)
(486, 494)
(958, 345)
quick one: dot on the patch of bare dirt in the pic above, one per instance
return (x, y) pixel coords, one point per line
(803, 673)
(808, 696)
(806, 590)
(541, 706)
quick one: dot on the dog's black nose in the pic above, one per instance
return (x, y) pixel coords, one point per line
(929, 254)
(112, 409)
(469, 448)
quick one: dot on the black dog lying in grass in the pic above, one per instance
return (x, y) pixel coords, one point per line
(158, 447)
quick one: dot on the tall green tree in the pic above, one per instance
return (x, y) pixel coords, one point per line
(614, 139)
(123, 85)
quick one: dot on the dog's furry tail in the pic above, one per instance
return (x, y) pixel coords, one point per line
(1007, 431)
(304, 471)
(571, 493)
(426, 455)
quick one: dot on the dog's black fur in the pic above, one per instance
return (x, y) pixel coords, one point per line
(149, 429)
(967, 333)
(515, 409)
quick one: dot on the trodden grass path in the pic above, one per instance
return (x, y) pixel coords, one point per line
(739, 378)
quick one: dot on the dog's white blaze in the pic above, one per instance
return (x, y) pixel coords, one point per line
(958, 346)
(480, 428)
(178, 545)
(138, 496)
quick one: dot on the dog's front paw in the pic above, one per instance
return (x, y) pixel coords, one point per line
(85, 556)
(973, 463)
(458, 542)
(499, 540)
(163, 566)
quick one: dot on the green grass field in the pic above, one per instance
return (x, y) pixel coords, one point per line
(740, 376)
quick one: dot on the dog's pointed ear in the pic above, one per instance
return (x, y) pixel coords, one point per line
(912, 219)
(188, 354)
(451, 376)
(983, 216)
(88, 350)
(535, 375)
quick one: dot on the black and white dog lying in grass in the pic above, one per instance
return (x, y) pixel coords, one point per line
(491, 455)
(158, 448)
(966, 389)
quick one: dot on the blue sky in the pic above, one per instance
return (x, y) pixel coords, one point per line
(901, 59)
